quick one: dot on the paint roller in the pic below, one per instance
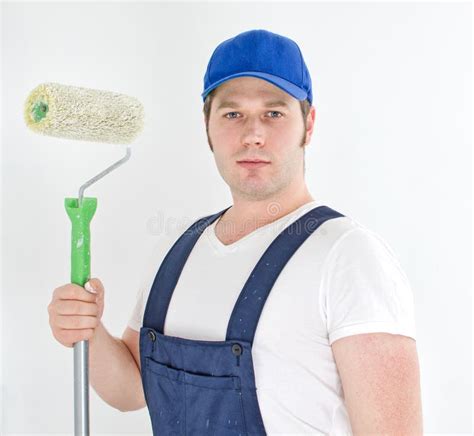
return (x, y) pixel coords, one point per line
(83, 114)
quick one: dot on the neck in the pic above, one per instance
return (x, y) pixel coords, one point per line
(256, 213)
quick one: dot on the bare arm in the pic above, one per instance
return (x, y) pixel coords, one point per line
(113, 371)
(381, 383)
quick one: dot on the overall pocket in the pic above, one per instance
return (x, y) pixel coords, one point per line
(165, 399)
(208, 404)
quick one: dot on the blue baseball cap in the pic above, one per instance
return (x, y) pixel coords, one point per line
(263, 54)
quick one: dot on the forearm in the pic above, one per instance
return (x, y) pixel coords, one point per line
(113, 372)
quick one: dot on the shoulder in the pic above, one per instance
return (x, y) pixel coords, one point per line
(349, 238)
(361, 257)
(170, 231)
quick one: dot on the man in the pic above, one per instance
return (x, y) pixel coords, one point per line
(277, 315)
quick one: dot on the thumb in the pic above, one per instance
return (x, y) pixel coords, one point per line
(95, 286)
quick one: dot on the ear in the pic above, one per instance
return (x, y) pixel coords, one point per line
(310, 122)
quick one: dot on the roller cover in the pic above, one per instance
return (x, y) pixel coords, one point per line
(84, 114)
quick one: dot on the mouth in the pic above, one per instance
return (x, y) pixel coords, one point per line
(253, 163)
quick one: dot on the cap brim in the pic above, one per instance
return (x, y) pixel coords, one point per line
(283, 84)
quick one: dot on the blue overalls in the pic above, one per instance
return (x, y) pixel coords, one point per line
(195, 387)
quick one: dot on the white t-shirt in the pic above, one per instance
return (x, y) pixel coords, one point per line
(343, 280)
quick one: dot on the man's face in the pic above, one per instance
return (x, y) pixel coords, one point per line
(246, 123)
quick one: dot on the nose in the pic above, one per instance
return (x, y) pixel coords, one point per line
(254, 134)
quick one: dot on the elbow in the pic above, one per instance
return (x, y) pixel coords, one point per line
(132, 408)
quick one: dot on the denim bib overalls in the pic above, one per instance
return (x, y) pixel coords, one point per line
(197, 387)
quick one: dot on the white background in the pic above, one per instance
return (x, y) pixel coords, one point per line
(391, 148)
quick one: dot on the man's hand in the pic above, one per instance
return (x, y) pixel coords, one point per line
(75, 312)
(381, 382)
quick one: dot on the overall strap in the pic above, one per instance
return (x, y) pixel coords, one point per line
(169, 272)
(244, 318)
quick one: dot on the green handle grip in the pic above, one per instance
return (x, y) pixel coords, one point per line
(80, 237)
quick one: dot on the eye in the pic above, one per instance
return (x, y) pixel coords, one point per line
(275, 112)
(230, 113)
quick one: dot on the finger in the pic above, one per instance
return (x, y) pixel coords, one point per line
(70, 337)
(94, 285)
(73, 322)
(72, 291)
(76, 307)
